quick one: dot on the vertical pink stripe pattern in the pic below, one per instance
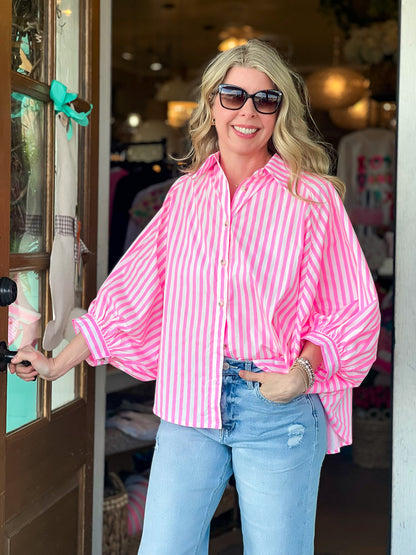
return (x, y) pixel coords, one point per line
(252, 280)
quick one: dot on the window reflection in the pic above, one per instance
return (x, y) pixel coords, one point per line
(27, 201)
(28, 38)
(67, 43)
(24, 329)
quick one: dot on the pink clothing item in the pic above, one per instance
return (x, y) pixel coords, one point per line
(250, 280)
(115, 175)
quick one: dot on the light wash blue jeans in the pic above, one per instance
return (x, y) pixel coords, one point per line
(275, 451)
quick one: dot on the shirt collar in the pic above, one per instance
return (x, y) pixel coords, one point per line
(207, 165)
(276, 167)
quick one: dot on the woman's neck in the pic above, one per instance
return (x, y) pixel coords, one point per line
(238, 168)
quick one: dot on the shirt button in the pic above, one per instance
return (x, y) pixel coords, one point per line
(226, 224)
(223, 262)
(221, 303)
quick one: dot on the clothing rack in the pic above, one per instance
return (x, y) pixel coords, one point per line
(121, 148)
(136, 177)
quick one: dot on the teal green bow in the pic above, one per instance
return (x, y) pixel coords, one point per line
(62, 100)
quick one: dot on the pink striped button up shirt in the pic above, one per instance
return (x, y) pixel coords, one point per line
(251, 279)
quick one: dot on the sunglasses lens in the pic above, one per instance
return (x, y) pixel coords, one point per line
(267, 102)
(232, 98)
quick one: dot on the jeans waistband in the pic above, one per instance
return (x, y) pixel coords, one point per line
(233, 366)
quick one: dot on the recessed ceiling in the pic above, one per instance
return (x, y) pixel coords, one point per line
(183, 35)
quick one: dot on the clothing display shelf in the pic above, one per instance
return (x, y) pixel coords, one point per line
(117, 441)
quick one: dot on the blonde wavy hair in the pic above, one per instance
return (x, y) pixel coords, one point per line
(292, 137)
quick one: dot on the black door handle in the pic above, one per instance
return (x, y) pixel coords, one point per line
(8, 294)
(8, 291)
(6, 357)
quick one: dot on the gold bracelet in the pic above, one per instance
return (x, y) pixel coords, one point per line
(303, 374)
(307, 366)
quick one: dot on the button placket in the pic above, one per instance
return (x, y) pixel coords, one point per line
(222, 258)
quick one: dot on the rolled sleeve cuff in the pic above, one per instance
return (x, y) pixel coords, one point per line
(94, 338)
(331, 362)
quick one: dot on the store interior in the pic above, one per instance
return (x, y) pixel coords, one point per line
(347, 54)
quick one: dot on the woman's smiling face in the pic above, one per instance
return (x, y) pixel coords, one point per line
(244, 132)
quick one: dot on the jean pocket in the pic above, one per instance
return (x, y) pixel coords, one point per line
(261, 397)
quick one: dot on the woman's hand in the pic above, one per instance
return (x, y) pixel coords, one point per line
(50, 369)
(279, 388)
(40, 365)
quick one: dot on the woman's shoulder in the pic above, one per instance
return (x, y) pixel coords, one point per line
(316, 188)
(179, 185)
(190, 178)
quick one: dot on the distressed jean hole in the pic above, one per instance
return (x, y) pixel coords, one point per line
(295, 434)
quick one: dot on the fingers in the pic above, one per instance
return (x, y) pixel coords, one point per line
(25, 353)
(28, 377)
(19, 364)
(252, 376)
(276, 387)
(26, 373)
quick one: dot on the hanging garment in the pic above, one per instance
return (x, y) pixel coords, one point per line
(27, 222)
(145, 205)
(62, 268)
(366, 164)
(141, 175)
(116, 174)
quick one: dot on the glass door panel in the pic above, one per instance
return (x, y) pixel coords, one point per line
(28, 38)
(25, 328)
(28, 190)
(64, 390)
(67, 43)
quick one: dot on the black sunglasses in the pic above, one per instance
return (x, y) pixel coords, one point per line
(234, 98)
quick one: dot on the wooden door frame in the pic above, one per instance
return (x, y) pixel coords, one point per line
(5, 142)
(90, 228)
(102, 262)
(89, 178)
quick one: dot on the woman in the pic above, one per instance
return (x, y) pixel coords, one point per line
(248, 299)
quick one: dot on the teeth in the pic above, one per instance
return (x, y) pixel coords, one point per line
(245, 130)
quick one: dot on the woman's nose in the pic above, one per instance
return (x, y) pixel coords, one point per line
(248, 108)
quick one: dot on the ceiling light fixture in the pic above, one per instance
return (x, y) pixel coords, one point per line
(134, 120)
(360, 115)
(179, 112)
(174, 89)
(336, 87)
(235, 36)
(156, 66)
(128, 56)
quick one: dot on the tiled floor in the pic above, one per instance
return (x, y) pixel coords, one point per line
(353, 512)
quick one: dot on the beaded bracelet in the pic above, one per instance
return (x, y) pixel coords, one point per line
(303, 374)
(307, 366)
